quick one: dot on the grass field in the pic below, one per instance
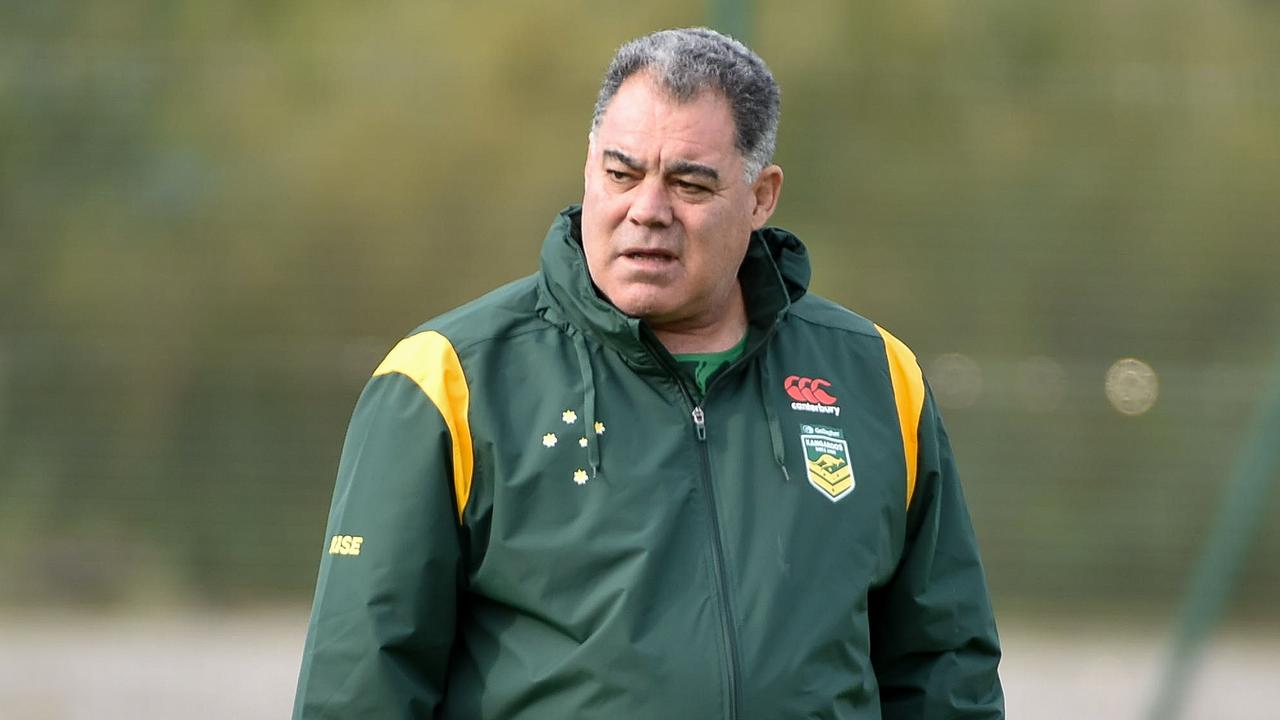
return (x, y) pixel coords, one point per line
(81, 667)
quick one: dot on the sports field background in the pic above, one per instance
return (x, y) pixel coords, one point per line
(216, 217)
(244, 665)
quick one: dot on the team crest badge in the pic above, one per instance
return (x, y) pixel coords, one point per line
(826, 459)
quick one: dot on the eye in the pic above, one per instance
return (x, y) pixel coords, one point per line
(617, 175)
(688, 189)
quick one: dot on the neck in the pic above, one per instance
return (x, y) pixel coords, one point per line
(712, 334)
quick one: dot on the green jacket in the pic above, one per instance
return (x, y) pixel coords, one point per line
(538, 516)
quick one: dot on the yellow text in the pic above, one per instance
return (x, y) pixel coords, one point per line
(345, 544)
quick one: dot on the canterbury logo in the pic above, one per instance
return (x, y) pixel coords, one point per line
(811, 390)
(810, 395)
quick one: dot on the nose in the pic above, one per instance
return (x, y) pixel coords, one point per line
(650, 205)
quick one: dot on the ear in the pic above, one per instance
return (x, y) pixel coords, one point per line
(765, 191)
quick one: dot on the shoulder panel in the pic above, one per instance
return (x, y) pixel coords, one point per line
(908, 394)
(428, 358)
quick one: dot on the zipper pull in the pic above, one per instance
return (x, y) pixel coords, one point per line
(700, 422)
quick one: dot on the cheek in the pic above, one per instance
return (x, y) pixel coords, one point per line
(593, 225)
(592, 248)
(596, 241)
(721, 245)
(600, 210)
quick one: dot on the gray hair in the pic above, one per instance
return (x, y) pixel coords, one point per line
(690, 61)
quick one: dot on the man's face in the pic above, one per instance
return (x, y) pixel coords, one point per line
(666, 213)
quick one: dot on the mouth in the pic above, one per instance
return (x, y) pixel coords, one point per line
(649, 256)
(648, 262)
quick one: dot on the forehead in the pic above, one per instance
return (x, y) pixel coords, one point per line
(643, 119)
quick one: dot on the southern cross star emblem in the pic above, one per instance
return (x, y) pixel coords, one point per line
(551, 440)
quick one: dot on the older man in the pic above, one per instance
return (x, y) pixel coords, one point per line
(658, 479)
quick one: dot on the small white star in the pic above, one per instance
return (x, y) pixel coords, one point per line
(582, 442)
(580, 476)
(569, 417)
(599, 428)
(549, 440)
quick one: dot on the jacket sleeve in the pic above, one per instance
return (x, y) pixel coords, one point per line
(383, 618)
(933, 634)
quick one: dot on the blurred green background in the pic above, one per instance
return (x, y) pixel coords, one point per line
(215, 218)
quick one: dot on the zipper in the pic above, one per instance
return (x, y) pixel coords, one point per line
(718, 563)
(699, 422)
(717, 548)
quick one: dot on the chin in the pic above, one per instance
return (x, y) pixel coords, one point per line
(643, 307)
(644, 311)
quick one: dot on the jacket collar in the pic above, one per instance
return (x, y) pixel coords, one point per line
(774, 274)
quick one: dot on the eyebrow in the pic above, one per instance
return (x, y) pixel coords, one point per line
(625, 159)
(677, 167)
(684, 167)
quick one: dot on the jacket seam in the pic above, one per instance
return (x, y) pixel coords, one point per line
(468, 345)
(829, 326)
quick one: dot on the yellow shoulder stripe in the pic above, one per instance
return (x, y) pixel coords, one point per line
(429, 360)
(908, 393)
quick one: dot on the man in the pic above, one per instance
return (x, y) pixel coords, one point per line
(658, 479)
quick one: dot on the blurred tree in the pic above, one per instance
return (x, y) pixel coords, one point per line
(215, 217)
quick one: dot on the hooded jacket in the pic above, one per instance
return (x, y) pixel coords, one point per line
(538, 516)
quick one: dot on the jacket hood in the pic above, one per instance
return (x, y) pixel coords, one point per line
(774, 274)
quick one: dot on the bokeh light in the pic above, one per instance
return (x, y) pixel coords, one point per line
(1132, 386)
(956, 379)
